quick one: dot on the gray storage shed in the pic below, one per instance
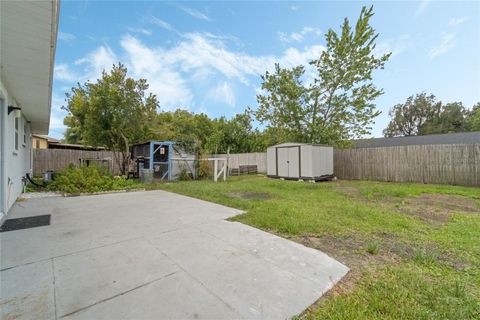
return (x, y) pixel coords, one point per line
(300, 161)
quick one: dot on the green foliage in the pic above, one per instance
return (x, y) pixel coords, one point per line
(423, 114)
(89, 179)
(338, 105)
(408, 119)
(474, 118)
(198, 132)
(114, 112)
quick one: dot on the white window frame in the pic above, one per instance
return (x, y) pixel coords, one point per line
(24, 144)
(16, 137)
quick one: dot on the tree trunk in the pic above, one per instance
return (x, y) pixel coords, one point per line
(126, 155)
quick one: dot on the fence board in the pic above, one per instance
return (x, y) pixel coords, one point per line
(445, 164)
(57, 159)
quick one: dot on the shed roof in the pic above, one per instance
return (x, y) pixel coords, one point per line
(296, 144)
(447, 138)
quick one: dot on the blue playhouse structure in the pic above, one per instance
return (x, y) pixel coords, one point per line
(157, 156)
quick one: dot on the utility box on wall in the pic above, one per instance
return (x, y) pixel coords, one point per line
(300, 161)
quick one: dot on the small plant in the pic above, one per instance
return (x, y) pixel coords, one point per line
(426, 258)
(373, 248)
(185, 175)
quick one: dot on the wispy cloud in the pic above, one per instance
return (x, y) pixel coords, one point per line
(293, 8)
(421, 8)
(393, 45)
(456, 21)
(162, 24)
(62, 72)
(223, 93)
(446, 44)
(298, 36)
(146, 32)
(65, 36)
(195, 13)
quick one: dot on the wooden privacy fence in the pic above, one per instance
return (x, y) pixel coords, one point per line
(57, 159)
(444, 164)
(457, 164)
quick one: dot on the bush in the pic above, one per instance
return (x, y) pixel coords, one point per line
(88, 179)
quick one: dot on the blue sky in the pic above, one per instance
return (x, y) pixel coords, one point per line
(208, 56)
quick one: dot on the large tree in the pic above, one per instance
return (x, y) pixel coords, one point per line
(423, 114)
(409, 118)
(474, 118)
(338, 104)
(113, 112)
(451, 118)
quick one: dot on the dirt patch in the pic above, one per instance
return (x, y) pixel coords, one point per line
(349, 191)
(249, 195)
(437, 208)
(449, 203)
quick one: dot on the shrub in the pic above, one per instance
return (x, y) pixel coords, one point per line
(88, 179)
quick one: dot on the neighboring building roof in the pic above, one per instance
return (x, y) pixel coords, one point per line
(49, 139)
(448, 138)
(27, 49)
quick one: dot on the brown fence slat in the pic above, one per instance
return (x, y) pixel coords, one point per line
(57, 159)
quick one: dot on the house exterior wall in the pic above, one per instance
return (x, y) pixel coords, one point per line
(39, 143)
(15, 163)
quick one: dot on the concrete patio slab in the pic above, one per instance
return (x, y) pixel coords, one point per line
(177, 296)
(107, 271)
(28, 291)
(150, 255)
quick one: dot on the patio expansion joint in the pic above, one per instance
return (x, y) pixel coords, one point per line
(197, 280)
(119, 294)
(54, 289)
(71, 253)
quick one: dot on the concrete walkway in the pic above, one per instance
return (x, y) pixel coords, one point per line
(153, 255)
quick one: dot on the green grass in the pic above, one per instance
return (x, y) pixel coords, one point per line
(404, 264)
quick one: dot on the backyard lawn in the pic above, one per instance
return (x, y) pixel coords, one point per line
(413, 249)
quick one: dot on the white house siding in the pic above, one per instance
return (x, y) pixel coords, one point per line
(14, 163)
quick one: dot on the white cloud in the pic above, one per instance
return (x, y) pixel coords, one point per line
(65, 36)
(164, 80)
(102, 58)
(446, 44)
(298, 36)
(196, 61)
(62, 72)
(162, 24)
(56, 117)
(195, 13)
(421, 8)
(294, 8)
(146, 32)
(456, 21)
(394, 45)
(223, 93)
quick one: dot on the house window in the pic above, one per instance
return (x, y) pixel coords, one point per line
(16, 133)
(24, 134)
(37, 144)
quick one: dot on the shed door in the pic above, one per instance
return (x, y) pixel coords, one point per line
(282, 154)
(293, 162)
(288, 162)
